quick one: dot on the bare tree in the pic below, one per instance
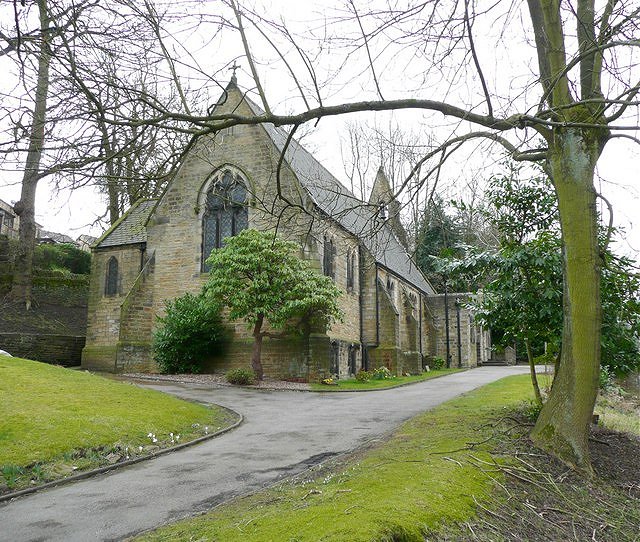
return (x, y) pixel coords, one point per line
(89, 73)
(560, 117)
(573, 90)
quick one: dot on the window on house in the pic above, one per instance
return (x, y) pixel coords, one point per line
(111, 280)
(225, 212)
(351, 256)
(329, 258)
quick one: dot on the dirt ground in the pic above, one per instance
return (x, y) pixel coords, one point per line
(541, 499)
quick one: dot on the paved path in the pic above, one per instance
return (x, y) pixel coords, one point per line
(284, 433)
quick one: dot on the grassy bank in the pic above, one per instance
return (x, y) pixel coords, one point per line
(351, 384)
(464, 471)
(420, 478)
(55, 422)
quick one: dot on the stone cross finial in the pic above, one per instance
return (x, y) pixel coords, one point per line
(234, 68)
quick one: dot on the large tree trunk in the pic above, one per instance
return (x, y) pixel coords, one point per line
(25, 208)
(563, 425)
(256, 363)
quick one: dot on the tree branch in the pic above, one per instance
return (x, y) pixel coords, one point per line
(474, 54)
(247, 51)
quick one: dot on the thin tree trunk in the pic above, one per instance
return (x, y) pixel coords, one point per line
(25, 208)
(534, 376)
(256, 363)
(563, 425)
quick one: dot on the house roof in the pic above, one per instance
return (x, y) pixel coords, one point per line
(354, 215)
(130, 228)
(55, 237)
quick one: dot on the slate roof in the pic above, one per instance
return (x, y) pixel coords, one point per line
(328, 194)
(130, 228)
(55, 237)
(354, 215)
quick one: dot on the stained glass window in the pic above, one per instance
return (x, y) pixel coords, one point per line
(225, 213)
(111, 282)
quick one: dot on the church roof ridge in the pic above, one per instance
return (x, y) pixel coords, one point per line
(337, 201)
(130, 228)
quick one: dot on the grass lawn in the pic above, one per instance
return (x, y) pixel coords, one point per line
(55, 421)
(418, 479)
(351, 384)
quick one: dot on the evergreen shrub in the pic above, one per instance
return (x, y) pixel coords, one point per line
(189, 333)
(241, 377)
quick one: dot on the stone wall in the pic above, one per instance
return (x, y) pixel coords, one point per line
(57, 349)
(175, 232)
(135, 348)
(104, 312)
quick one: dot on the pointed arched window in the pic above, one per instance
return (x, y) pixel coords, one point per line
(111, 279)
(225, 212)
(329, 258)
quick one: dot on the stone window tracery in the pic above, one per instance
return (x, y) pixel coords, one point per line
(225, 214)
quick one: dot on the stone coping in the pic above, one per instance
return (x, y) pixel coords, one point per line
(107, 468)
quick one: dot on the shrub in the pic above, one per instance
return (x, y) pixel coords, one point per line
(241, 377)
(381, 373)
(363, 376)
(65, 257)
(437, 363)
(190, 332)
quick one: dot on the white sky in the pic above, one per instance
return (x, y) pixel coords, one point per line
(506, 57)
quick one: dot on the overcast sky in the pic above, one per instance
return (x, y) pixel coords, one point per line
(504, 49)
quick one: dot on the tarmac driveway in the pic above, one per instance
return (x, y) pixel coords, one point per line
(284, 433)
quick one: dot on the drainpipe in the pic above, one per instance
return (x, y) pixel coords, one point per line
(420, 326)
(446, 323)
(459, 339)
(377, 310)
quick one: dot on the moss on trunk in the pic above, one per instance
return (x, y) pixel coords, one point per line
(563, 425)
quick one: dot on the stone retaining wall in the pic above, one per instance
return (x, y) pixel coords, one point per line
(57, 349)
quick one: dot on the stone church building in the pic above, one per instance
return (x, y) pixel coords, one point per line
(236, 179)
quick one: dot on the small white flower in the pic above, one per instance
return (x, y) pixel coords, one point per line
(150, 435)
(154, 439)
(177, 437)
(139, 448)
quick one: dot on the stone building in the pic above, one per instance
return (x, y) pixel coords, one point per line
(236, 179)
(10, 221)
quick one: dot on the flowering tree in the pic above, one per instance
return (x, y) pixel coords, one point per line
(261, 280)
